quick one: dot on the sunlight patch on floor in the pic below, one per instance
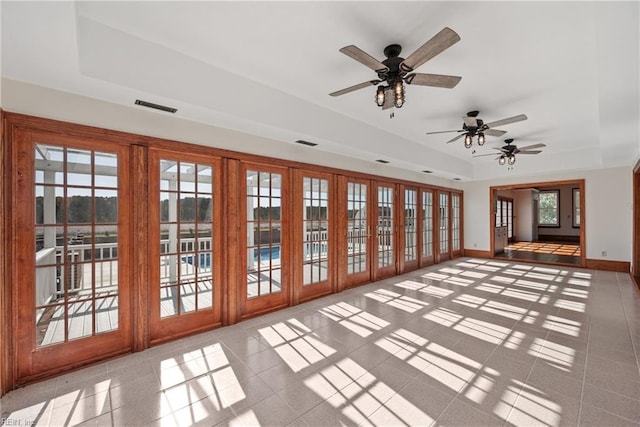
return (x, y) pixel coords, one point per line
(396, 300)
(296, 344)
(354, 318)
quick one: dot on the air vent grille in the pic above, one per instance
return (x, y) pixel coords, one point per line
(156, 106)
(303, 142)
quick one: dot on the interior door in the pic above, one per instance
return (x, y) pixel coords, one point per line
(72, 246)
(312, 235)
(385, 239)
(185, 244)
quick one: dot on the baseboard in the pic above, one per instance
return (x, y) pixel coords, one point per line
(475, 253)
(558, 239)
(602, 264)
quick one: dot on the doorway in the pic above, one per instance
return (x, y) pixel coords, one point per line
(539, 222)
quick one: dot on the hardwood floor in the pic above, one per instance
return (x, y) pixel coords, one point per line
(547, 252)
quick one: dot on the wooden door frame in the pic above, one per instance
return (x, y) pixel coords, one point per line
(580, 183)
(173, 327)
(45, 361)
(425, 261)
(300, 293)
(389, 271)
(403, 265)
(345, 280)
(449, 255)
(635, 260)
(260, 305)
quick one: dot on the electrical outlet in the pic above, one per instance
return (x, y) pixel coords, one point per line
(604, 253)
(475, 245)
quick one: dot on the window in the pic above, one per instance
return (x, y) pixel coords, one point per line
(549, 208)
(576, 208)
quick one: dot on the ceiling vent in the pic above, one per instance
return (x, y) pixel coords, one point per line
(303, 142)
(156, 106)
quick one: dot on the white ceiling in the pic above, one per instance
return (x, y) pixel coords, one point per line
(267, 68)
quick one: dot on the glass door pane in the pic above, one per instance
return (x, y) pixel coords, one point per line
(315, 230)
(427, 224)
(386, 256)
(357, 228)
(264, 231)
(185, 241)
(455, 222)
(444, 223)
(410, 225)
(510, 219)
(76, 243)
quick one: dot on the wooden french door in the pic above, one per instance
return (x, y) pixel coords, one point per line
(409, 247)
(265, 208)
(427, 254)
(72, 246)
(385, 237)
(357, 242)
(185, 243)
(444, 226)
(312, 241)
(456, 224)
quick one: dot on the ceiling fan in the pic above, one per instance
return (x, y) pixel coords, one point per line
(473, 126)
(395, 70)
(508, 152)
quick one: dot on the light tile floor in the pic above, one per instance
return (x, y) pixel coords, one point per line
(467, 342)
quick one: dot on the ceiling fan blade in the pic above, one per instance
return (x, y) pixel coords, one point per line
(437, 44)
(437, 80)
(529, 147)
(442, 131)
(483, 155)
(364, 58)
(494, 132)
(529, 152)
(354, 87)
(456, 138)
(389, 98)
(506, 121)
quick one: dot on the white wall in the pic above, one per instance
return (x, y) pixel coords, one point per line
(523, 202)
(607, 216)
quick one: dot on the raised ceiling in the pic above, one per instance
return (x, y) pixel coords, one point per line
(266, 68)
